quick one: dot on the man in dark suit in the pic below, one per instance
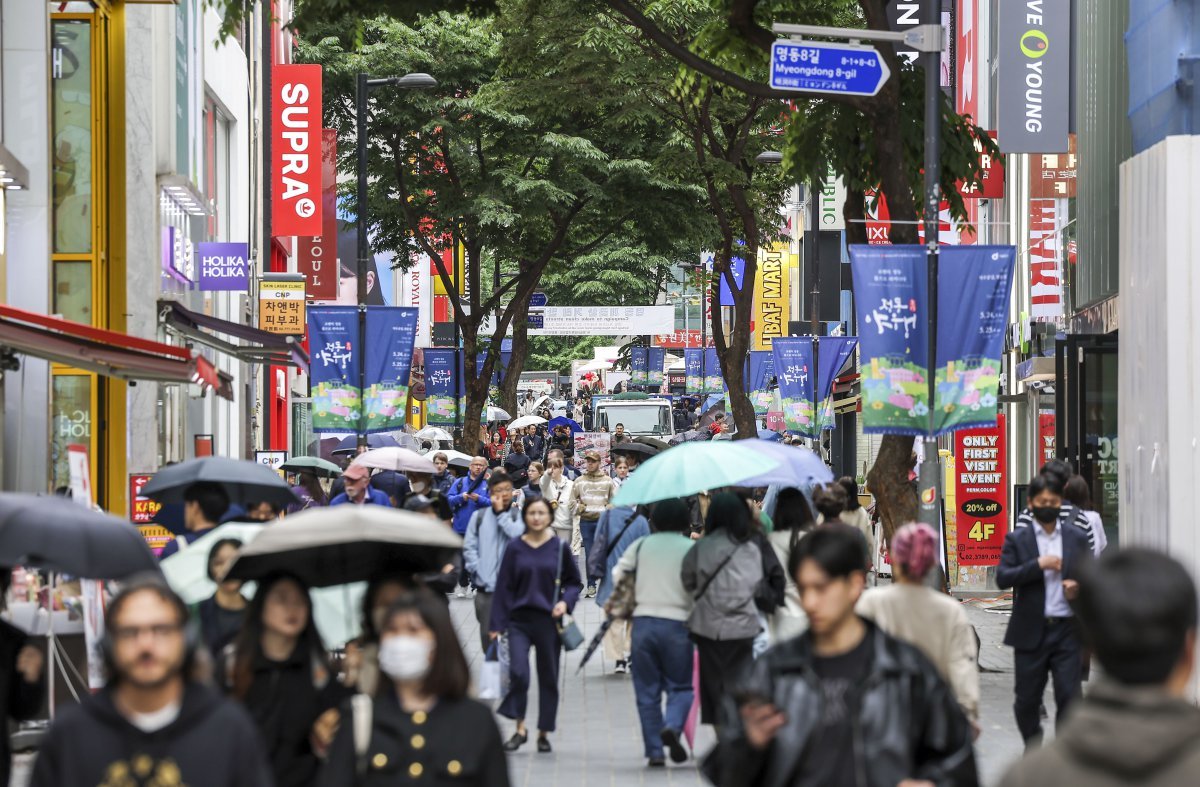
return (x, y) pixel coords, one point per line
(1041, 564)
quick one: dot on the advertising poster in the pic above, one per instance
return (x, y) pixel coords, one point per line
(832, 354)
(793, 370)
(638, 361)
(760, 371)
(593, 441)
(891, 291)
(281, 306)
(711, 372)
(692, 362)
(980, 494)
(772, 294)
(334, 368)
(1047, 447)
(656, 360)
(443, 373)
(388, 358)
(973, 289)
(142, 511)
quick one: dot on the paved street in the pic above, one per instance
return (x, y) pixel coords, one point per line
(599, 737)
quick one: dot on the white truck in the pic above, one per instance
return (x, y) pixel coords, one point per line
(642, 415)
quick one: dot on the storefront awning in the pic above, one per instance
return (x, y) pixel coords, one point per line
(256, 346)
(104, 352)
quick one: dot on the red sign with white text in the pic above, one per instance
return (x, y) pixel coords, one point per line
(981, 494)
(680, 339)
(1047, 437)
(141, 508)
(316, 256)
(296, 150)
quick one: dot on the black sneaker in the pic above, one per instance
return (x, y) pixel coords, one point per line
(516, 741)
(656, 762)
(670, 739)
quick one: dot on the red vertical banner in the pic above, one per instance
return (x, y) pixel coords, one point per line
(316, 256)
(1047, 438)
(296, 151)
(981, 493)
(1045, 270)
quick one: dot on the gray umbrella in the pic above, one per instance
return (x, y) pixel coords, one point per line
(244, 482)
(58, 534)
(349, 445)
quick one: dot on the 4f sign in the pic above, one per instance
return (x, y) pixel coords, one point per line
(296, 150)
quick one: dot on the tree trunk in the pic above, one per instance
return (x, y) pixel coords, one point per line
(476, 389)
(516, 363)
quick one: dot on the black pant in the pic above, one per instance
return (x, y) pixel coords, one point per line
(721, 663)
(532, 629)
(1058, 656)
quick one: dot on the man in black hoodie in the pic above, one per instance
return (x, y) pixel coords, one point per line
(152, 724)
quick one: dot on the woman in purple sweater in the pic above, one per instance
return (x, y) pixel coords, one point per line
(538, 583)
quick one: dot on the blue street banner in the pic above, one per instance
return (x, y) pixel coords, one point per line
(638, 360)
(760, 369)
(334, 368)
(392, 330)
(891, 296)
(974, 283)
(737, 267)
(656, 361)
(443, 376)
(692, 360)
(832, 354)
(793, 368)
(714, 382)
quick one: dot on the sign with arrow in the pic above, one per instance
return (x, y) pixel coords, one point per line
(820, 67)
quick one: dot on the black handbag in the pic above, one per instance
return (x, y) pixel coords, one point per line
(568, 632)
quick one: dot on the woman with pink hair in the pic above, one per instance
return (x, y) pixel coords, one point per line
(932, 622)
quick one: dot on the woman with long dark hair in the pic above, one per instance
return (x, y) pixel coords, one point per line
(220, 615)
(793, 521)
(308, 488)
(856, 516)
(722, 572)
(496, 450)
(279, 671)
(423, 725)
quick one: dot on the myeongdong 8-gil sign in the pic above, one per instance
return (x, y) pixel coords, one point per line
(1034, 76)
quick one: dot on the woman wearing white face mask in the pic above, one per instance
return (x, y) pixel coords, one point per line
(423, 727)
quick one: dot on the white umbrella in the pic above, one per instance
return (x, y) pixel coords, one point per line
(541, 401)
(402, 460)
(457, 458)
(496, 414)
(526, 420)
(434, 433)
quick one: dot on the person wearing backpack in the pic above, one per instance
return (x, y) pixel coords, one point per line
(616, 530)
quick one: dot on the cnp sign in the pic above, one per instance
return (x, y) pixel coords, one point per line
(296, 150)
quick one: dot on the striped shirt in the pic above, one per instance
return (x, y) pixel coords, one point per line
(1068, 515)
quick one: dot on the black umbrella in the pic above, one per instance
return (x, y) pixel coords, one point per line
(635, 448)
(349, 445)
(595, 643)
(58, 534)
(244, 482)
(653, 442)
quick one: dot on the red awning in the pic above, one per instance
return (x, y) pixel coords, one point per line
(104, 352)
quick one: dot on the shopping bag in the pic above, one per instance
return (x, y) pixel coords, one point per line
(490, 679)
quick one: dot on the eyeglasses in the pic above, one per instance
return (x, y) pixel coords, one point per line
(134, 633)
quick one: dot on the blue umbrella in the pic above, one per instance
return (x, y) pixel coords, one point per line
(561, 421)
(798, 467)
(769, 436)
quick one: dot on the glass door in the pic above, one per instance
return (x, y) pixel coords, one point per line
(1087, 421)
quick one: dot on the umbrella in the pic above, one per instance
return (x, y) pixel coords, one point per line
(691, 468)
(769, 436)
(406, 441)
(542, 400)
(335, 546)
(653, 442)
(635, 448)
(244, 482)
(689, 436)
(564, 421)
(798, 467)
(402, 460)
(58, 534)
(349, 445)
(435, 434)
(594, 644)
(457, 458)
(494, 414)
(526, 420)
(312, 464)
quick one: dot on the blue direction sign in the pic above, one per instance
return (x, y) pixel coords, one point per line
(537, 321)
(538, 300)
(818, 67)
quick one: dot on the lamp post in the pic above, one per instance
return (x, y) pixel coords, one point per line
(365, 83)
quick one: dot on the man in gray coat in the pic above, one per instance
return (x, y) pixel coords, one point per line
(488, 533)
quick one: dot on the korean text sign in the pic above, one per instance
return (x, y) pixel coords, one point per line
(281, 306)
(981, 494)
(794, 370)
(391, 331)
(443, 373)
(334, 368)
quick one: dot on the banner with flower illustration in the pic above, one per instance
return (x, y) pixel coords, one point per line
(760, 371)
(443, 380)
(638, 359)
(692, 361)
(334, 368)
(891, 292)
(391, 333)
(793, 369)
(656, 360)
(710, 370)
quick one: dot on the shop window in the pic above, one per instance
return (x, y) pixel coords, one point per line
(72, 142)
(73, 290)
(71, 422)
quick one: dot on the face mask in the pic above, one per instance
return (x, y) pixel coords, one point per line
(419, 486)
(1045, 514)
(405, 658)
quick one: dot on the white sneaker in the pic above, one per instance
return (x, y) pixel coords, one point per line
(460, 593)
(621, 667)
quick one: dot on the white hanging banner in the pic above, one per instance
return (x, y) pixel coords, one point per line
(605, 321)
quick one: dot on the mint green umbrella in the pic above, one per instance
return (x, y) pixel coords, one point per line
(691, 468)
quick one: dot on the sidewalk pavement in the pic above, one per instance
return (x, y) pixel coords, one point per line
(599, 739)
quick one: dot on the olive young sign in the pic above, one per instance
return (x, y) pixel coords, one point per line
(1034, 75)
(296, 150)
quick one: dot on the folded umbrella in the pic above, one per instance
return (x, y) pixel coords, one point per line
(527, 420)
(798, 467)
(564, 421)
(434, 433)
(594, 644)
(336, 546)
(402, 460)
(691, 468)
(312, 464)
(244, 482)
(58, 534)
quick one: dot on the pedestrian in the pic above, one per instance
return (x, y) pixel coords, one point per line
(568, 469)
(488, 537)
(1137, 724)
(662, 651)
(1041, 565)
(443, 478)
(22, 678)
(153, 723)
(556, 489)
(469, 494)
(1058, 473)
(561, 444)
(793, 521)
(830, 502)
(534, 488)
(220, 615)
(619, 435)
(496, 450)
(591, 496)
(856, 516)
(308, 488)
(722, 573)
(360, 665)
(535, 444)
(517, 464)
(262, 511)
(537, 585)
(1079, 494)
(204, 504)
(359, 492)
(277, 669)
(844, 703)
(620, 472)
(394, 484)
(932, 622)
(617, 529)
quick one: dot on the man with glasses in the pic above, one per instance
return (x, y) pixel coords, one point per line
(153, 723)
(359, 491)
(591, 496)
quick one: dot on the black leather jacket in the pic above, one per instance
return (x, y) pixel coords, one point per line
(907, 723)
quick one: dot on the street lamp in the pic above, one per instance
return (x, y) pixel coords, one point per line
(416, 81)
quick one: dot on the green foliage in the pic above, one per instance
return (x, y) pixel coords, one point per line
(319, 13)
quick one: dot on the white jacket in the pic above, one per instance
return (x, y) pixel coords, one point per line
(559, 493)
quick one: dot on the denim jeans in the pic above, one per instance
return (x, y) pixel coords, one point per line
(587, 529)
(662, 664)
